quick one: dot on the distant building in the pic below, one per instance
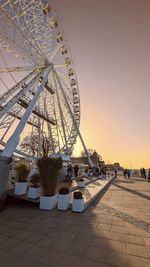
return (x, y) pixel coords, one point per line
(79, 160)
(84, 161)
(114, 166)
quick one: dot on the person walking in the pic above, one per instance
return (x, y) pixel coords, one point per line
(97, 171)
(69, 172)
(141, 172)
(148, 177)
(76, 169)
(128, 173)
(125, 173)
(115, 173)
(144, 173)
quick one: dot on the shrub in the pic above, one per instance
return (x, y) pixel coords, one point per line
(77, 195)
(104, 170)
(64, 191)
(34, 180)
(49, 169)
(22, 170)
(81, 180)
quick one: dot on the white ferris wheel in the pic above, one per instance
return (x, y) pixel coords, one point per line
(39, 92)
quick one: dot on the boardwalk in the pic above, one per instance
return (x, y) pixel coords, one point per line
(114, 231)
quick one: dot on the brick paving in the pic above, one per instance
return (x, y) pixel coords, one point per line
(113, 231)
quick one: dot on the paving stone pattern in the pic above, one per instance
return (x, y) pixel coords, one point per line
(113, 231)
(125, 217)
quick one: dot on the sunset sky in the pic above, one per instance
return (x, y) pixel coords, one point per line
(110, 45)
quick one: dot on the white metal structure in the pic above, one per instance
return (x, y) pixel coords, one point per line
(31, 40)
(39, 94)
(38, 87)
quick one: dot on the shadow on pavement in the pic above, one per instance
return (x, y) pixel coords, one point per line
(132, 191)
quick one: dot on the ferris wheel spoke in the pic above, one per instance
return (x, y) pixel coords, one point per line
(65, 78)
(68, 96)
(55, 52)
(21, 69)
(32, 24)
(48, 124)
(59, 66)
(68, 91)
(73, 118)
(17, 50)
(55, 116)
(60, 112)
(18, 29)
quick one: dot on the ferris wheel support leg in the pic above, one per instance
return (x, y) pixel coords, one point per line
(60, 110)
(74, 121)
(14, 139)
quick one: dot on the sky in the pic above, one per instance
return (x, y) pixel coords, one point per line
(110, 45)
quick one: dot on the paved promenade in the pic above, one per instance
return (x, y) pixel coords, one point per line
(114, 231)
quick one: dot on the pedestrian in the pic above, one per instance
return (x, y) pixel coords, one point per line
(141, 172)
(86, 172)
(115, 173)
(90, 173)
(97, 171)
(69, 172)
(128, 174)
(148, 177)
(76, 169)
(144, 173)
(125, 173)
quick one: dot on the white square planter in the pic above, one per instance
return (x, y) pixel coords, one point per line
(48, 203)
(63, 202)
(78, 205)
(34, 192)
(81, 184)
(20, 188)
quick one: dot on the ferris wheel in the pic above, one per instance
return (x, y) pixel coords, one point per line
(39, 92)
(39, 95)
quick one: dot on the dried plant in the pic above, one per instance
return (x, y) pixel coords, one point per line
(34, 180)
(64, 191)
(22, 170)
(77, 195)
(49, 169)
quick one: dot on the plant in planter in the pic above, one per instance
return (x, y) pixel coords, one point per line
(81, 183)
(78, 202)
(34, 189)
(49, 169)
(22, 170)
(63, 198)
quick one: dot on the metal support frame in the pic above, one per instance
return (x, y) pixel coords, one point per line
(14, 140)
(73, 119)
(20, 94)
(61, 113)
(9, 93)
(48, 124)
